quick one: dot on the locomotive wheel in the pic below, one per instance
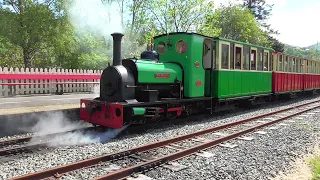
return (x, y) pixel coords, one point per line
(172, 116)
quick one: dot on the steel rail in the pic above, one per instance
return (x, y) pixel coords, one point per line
(58, 171)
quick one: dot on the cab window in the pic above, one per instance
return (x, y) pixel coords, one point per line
(161, 48)
(181, 47)
(209, 54)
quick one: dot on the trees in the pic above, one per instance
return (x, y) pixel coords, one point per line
(40, 34)
(10, 54)
(174, 15)
(234, 22)
(46, 33)
(261, 10)
(29, 24)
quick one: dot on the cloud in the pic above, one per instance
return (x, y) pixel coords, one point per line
(298, 26)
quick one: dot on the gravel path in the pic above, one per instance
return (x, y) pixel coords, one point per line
(255, 159)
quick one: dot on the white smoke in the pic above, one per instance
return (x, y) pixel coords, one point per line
(103, 19)
(96, 17)
(56, 122)
(96, 91)
(81, 138)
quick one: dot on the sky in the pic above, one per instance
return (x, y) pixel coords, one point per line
(296, 20)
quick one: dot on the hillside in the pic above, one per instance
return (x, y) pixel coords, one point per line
(307, 52)
(315, 46)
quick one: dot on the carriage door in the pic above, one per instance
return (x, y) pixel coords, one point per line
(209, 63)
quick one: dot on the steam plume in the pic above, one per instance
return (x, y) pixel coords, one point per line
(56, 122)
(96, 17)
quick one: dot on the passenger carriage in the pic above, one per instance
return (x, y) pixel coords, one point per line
(294, 74)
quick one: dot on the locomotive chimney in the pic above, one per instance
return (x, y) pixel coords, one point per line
(117, 48)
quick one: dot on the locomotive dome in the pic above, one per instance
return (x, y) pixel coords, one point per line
(148, 54)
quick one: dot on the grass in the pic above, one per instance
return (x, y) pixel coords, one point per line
(315, 165)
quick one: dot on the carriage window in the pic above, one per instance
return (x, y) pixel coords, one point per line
(297, 65)
(286, 64)
(265, 61)
(271, 63)
(301, 66)
(232, 56)
(253, 59)
(161, 47)
(289, 64)
(313, 67)
(279, 68)
(260, 62)
(293, 65)
(225, 56)
(238, 57)
(310, 67)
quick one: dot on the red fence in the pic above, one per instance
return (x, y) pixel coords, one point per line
(46, 81)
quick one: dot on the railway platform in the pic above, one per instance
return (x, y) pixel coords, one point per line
(41, 102)
(17, 114)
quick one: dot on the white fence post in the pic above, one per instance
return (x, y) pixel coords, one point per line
(46, 86)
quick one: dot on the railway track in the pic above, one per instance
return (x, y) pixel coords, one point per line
(18, 145)
(149, 156)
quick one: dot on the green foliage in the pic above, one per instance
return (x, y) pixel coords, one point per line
(315, 165)
(262, 11)
(315, 46)
(173, 15)
(40, 34)
(30, 25)
(259, 8)
(300, 52)
(10, 54)
(234, 22)
(276, 44)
